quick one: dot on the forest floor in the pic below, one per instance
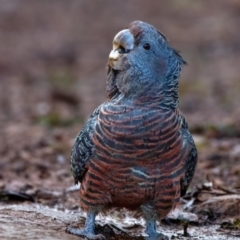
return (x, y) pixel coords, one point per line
(52, 77)
(38, 199)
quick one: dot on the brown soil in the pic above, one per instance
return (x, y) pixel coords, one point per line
(52, 75)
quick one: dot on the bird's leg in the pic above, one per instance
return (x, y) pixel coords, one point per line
(185, 223)
(88, 230)
(151, 231)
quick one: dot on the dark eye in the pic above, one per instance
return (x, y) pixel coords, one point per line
(146, 46)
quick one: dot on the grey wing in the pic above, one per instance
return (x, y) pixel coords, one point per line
(190, 161)
(83, 148)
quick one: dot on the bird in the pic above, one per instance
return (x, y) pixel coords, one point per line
(135, 151)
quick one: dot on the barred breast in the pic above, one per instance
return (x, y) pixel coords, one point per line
(139, 159)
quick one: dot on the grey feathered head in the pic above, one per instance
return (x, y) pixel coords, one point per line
(143, 62)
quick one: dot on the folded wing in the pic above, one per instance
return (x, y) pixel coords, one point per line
(83, 148)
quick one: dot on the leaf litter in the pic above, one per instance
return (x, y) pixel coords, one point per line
(42, 109)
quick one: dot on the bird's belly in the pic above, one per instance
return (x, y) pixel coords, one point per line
(126, 186)
(121, 185)
(130, 187)
(134, 155)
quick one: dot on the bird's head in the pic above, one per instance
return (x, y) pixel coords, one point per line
(142, 60)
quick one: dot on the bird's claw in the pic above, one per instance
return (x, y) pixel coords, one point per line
(85, 233)
(158, 236)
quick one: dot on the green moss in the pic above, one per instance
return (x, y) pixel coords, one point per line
(218, 131)
(53, 119)
(237, 223)
(187, 87)
(62, 79)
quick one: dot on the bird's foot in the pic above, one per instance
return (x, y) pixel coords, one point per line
(157, 236)
(85, 233)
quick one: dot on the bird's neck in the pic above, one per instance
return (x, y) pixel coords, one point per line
(163, 92)
(171, 99)
(170, 87)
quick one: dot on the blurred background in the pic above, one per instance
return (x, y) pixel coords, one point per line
(53, 57)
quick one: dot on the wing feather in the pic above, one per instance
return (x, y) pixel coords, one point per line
(83, 148)
(191, 160)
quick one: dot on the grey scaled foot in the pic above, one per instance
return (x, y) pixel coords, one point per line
(84, 233)
(157, 236)
(151, 231)
(88, 231)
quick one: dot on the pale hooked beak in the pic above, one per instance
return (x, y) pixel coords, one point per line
(123, 43)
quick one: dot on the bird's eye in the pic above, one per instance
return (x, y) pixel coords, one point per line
(146, 46)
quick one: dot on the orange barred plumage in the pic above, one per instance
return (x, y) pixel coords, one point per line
(138, 156)
(135, 151)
